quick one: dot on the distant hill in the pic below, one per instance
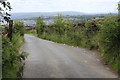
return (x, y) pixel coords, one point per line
(64, 13)
(38, 14)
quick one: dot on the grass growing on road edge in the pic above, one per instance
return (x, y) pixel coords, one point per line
(31, 32)
(101, 34)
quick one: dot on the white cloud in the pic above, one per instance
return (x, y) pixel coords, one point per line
(89, 6)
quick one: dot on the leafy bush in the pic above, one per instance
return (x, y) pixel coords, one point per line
(11, 57)
(59, 24)
(109, 37)
(19, 27)
(102, 34)
(40, 26)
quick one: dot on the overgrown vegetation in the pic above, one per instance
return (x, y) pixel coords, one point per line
(102, 34)
(108, 38)
(31, 32)
(19, 28)
(40, 26)
(11, 56)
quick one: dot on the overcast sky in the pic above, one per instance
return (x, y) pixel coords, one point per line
(86, 6)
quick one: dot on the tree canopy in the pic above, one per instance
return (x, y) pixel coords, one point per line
(4, 9)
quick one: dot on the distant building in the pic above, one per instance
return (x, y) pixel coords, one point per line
(29, 23)
(49, 21)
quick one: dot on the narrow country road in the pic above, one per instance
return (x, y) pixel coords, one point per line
(52, 60)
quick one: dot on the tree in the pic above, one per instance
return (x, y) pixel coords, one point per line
(40, 26)
(4, 15)
(62, 25)
(119, 7)
(4, 8)
(59, 24)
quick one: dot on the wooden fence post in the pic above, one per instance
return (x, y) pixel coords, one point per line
(10, 29)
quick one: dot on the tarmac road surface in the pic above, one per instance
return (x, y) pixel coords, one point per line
(52, 60)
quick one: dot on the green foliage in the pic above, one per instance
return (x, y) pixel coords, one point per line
(19, 27)
(40, 26)
(90, 30)
(108, 38)
(59, 24)
(31, 32)
(102, 34)
(11, 56)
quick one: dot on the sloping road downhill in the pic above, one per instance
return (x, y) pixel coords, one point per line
(52, 60)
